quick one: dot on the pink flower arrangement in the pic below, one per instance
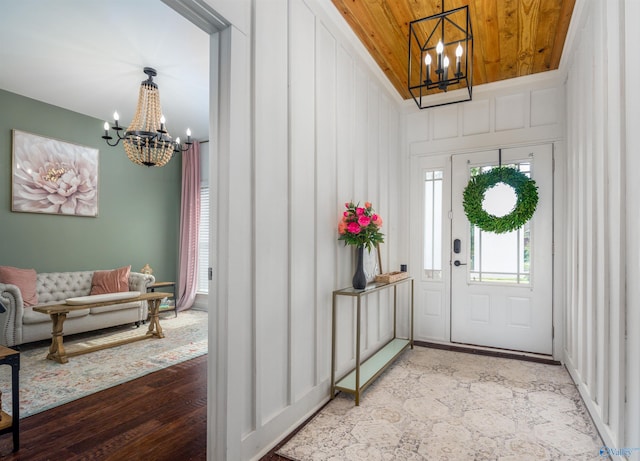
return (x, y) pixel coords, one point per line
(360, 226)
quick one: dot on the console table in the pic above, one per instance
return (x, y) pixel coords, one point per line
(357, 380)
(12, 423)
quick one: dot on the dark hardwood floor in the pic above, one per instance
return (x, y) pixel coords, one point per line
(160, 416)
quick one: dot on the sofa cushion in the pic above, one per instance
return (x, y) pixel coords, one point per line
(114, 307)
(24, 279)
(113, 281)
(101, 298)
(55, 287)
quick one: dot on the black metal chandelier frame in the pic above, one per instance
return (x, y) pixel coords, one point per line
(442, 83)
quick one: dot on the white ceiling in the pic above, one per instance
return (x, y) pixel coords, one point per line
(88, 56)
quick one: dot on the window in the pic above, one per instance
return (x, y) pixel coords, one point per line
(433, 224)
(203, 242)
(501, 258)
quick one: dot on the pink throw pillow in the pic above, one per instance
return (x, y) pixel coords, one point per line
(114, 281)
(24, 279)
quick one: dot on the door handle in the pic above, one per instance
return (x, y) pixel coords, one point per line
(458, 263)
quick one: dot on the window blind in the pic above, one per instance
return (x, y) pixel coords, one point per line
(203, 242)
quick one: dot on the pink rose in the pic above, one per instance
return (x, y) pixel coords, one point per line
(359, 211)
(364, 221)
(377, 220)
(353, 228)
(342, 227)
(367, 205)
(345, 214)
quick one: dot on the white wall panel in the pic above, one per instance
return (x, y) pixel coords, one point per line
(510, 111)
(345, 125)
(417, 126)
(545, 107)
(271, 208)
(445, 122)
(525, 110)
(360, 134)
(432, 326)
(382, 207)
(616, 249)
(372, 194)
(601, 292)
(476, 118)
(306, 124)
(327, 202)
(302, 182)
(232, 338)
(632, 250)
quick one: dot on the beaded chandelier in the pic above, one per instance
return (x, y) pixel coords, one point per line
(146, 140)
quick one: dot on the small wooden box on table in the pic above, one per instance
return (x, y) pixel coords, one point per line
(12, 423)
(356, 381)
(58, 314)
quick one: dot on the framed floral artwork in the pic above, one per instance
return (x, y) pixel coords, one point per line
(53, 177)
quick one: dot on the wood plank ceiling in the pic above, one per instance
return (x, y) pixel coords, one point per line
(512, 38)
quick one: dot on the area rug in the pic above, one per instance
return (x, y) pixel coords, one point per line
(441, 405)
(46, 384)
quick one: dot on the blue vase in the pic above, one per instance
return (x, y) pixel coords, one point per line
(359, 278)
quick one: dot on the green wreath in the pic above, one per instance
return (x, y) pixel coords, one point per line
(524, 187)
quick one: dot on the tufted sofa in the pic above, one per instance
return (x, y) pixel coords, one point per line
(20, 324)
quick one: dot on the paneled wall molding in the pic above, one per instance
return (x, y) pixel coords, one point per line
(331, 18)
(529, 111)
(304, 124)
(632, 192)
(601, 267)
(554, 78)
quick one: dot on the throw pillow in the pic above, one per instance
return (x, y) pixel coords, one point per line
(24, 279)
(113, 281)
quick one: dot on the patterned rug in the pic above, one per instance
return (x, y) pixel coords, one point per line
(441, 405)
(46, 384)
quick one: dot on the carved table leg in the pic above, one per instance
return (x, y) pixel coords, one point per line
(154, 319)
(56, 350)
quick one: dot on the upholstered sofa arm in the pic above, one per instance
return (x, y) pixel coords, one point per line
(11, 319)
(140, 282)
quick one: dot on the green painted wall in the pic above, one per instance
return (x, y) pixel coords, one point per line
(138, 207)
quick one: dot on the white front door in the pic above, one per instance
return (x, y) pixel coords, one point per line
(501, 284)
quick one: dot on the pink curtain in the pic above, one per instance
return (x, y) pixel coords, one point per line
(189, 226)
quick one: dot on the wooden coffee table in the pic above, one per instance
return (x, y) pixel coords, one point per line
(58, 314)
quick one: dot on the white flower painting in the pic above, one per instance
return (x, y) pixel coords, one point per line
(53, 177)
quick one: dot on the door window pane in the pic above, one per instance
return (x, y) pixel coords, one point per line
(433, 224)
(501, 258)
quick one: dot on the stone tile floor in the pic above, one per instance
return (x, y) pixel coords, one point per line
(441, 405)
